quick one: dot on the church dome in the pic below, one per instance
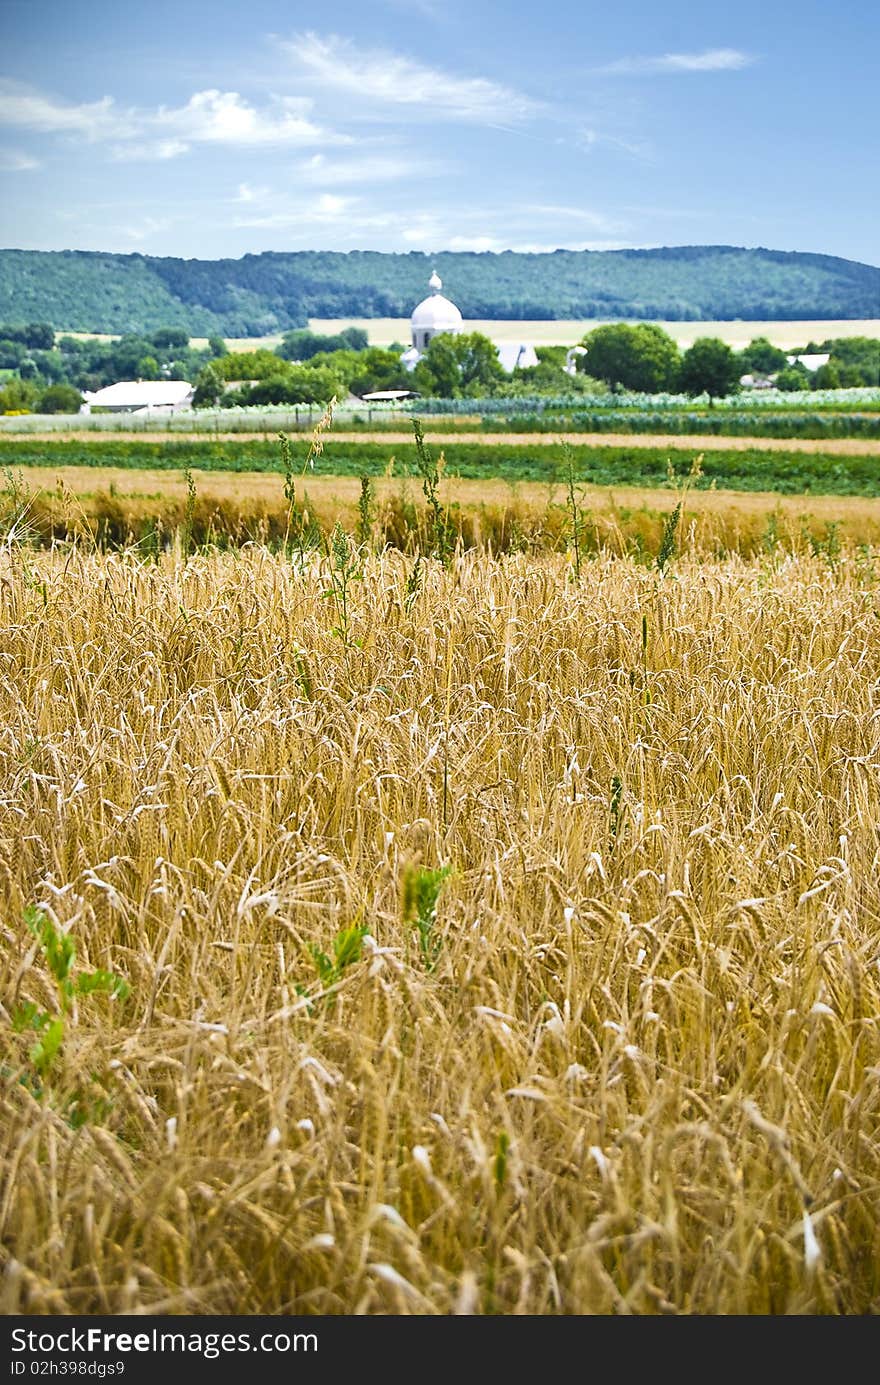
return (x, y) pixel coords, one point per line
(435, 313)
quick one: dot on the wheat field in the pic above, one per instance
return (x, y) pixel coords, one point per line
(497, 937)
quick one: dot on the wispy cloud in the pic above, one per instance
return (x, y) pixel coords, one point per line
(146, 229)
(11, 161)
(23, 106)
(587, 139)
(710, 60)
(321, 171)
(250, 195)
(209, 117)
(391, 80)
(560, 213)
(327, 209)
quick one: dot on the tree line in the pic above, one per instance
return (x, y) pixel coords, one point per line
(310, 368)
(258, 295)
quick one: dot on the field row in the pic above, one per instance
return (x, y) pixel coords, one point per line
(833, 468)
(118, 506)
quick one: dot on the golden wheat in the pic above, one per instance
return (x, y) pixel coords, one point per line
(637, 1071)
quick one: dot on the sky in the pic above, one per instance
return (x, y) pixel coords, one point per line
(207, 128)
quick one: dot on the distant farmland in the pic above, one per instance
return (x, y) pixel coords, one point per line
(382, 331)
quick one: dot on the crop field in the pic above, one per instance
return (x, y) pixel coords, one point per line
(115, 506)
(838, 466)
(411, 934)
(382, 331)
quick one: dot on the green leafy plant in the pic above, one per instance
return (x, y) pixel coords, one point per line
(59, 954)
(421, 891)
(667, 542)
(189, 514)
(439, 539)
(345, 569)
(348, 946)
(366, 510)
(670, 526)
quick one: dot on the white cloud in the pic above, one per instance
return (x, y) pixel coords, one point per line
(711, 60)
(326, 210)
(13, 162)
(320, 171)
(588, 139)
(32, 110)
(146, 229)
(139, 151)
(225, 117)
(251, 195)
(209, 117)
(382, 79)
(556, 212)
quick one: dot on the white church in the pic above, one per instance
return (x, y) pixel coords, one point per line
(436, 314)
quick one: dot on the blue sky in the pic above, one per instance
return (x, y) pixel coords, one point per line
(207, 128)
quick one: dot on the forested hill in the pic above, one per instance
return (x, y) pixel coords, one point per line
(257, 294)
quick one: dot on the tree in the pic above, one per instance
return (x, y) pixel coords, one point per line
(148, 368)
(174, 338)
(761, 357)
(250, 365)
(216, 346)
(640, 357)
(210, 385)
(377, 369)
(792, 378)
(12, 353)
(827, 377)
(709, 367)
(59, 399)
(17, 397)
(453, 366)
(296, 385)
(356, 338)
(302, 344)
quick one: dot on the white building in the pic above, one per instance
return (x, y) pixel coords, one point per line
(141, 397)
(436, 314)
(811, 361)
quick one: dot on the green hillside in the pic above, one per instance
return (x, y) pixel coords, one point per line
(257, 294)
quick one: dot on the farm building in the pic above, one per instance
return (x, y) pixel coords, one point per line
(436, 314)
(141, 397)
(811, 361)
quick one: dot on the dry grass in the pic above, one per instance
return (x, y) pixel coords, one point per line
(122, 505)
(638, 1042)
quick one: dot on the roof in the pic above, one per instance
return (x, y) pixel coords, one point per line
(140, 394)
(513, 354)
(811, 360)
(435, 311)
(380, 396)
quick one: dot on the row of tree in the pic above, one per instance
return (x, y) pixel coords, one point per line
(308, 367)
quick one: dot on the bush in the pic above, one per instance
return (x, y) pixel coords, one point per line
(59, 399)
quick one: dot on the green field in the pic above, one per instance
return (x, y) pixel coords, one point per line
(748, 469)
